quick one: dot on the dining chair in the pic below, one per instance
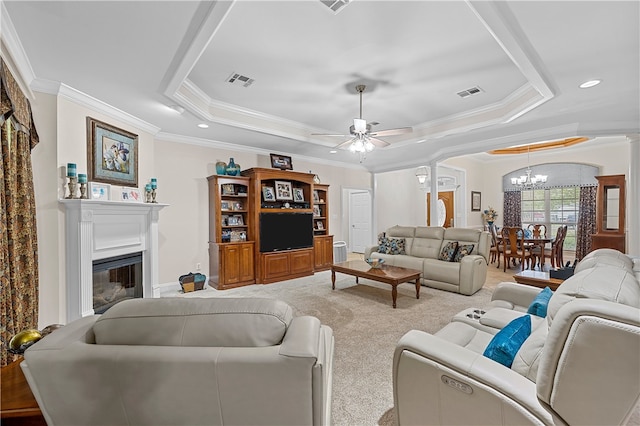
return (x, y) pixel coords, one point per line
(538, 230)
(494, 253)
(555, 252)
(513, 247)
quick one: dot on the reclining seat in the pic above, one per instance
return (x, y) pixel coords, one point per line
(578, 366)
(179, 361)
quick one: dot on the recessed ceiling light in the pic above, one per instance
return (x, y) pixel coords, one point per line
(333, 151)
(177, 108)
(590, 83)
(421, 140)
(203, 126)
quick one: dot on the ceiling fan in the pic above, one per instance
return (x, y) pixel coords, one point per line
(362, 138)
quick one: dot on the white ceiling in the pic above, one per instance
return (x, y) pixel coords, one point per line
(528, 58)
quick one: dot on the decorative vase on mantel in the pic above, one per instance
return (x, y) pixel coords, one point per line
(233, 169)
(490, 223)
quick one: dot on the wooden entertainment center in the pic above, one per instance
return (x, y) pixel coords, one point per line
(236, 206)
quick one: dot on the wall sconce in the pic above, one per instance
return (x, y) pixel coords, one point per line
(422, 173)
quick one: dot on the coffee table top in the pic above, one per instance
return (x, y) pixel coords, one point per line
(386, 273)
(538, 279)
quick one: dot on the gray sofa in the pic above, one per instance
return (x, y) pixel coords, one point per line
(579, 364)
(422, 247)
(177, 361)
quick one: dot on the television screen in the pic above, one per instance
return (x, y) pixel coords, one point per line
(285, 231)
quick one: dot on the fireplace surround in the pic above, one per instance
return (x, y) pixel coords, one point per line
(96, 230)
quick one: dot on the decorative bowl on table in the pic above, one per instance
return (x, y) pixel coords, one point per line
(374, 263)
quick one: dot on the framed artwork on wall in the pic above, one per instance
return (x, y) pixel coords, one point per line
(283, 190)
(112, 154)
(476, 201)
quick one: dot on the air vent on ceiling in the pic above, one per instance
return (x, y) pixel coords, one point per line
(241, 80)
(335, 5)
(469, 92)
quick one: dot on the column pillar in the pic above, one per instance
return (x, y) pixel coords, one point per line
(433, 208)
(633, 197)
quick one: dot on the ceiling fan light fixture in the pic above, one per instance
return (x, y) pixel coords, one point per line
(359, 125)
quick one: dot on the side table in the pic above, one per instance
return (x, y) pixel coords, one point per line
(17, 404)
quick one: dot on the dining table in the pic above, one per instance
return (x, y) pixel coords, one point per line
(534, 241)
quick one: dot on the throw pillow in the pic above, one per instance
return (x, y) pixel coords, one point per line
(391, 245)
(448, 251)
(539, 305)
(504, 345)
(462, 251)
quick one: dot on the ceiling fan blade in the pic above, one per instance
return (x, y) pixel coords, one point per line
(391, 132)
(327, 134)
(345, 143)
(378, 142)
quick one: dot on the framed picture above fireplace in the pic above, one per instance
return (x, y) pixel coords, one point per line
(112, 154)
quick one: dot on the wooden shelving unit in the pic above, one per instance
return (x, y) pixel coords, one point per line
(231, 236)
(610, 213)
(322, 241)
(266, 190)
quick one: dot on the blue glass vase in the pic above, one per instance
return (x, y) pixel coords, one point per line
(233, 169)
(221, 167)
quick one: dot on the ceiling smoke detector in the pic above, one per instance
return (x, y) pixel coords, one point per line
(239, 79)
(470, 92)
(335, 5)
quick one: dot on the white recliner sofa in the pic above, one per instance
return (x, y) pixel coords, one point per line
(580, 364)
(177, 361)
(421, 246)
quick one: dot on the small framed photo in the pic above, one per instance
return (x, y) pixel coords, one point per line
(476, 201)
(320, 226)
(281, 162)
(283, 190)
(316, 196)
(99, 191)
(131, 194)
(268, 193)
(225, 220)
(228, 189)
(224, 205)
(235, 220)
(238, 206)
(316, 211)
(298, 195)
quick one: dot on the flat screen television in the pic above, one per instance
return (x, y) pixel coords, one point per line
(285, 231)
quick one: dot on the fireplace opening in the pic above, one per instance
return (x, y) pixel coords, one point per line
(116, 279)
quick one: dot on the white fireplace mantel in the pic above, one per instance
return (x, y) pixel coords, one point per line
(102, 229)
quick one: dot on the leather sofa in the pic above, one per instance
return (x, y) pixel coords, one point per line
(178, 361)
(421, 249)
(579, 364)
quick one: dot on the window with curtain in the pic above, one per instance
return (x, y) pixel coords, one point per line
(553, 208)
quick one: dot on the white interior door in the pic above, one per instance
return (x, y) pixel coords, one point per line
(359, 220)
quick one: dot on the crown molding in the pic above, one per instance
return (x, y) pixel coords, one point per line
(81, 98)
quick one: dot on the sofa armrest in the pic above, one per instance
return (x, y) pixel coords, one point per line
(369, 250)
(302, 338)
(473, 273)
(514, 294)
(439, 382)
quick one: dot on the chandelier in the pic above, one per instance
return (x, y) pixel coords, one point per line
(361, 145)
(527, 181)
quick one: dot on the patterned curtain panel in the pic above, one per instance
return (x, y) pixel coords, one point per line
(19, 250)
(512, 209)
(586, 220)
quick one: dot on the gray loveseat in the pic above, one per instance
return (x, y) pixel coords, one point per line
(218, 361)
(422, 248)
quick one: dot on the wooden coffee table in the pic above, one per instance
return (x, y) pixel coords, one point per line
(537, 279)
(392, 275)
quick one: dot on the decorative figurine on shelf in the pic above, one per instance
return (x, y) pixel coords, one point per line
(73, 181)
(82, 180)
